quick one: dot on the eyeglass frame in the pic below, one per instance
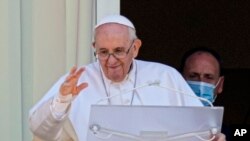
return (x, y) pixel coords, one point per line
(113, 54)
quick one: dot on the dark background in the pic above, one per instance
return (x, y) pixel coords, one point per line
(168, 28)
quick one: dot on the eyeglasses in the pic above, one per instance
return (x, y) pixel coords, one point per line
(118, 53)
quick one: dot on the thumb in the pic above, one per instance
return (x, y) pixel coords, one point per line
(79, 88)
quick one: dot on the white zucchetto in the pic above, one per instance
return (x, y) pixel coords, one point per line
(115, 19)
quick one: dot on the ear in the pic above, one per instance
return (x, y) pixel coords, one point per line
(137, 45)
(93, 45)
(220, 85)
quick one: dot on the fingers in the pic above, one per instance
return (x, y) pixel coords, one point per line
(78, 89)
(70, 84)
(73, 69)
(82, 86)
(74, 74)
(79, 72)
(220, 137)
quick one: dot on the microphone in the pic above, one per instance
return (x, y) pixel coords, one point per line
(183, 93)
(106, 133)
(157, 83)
(127, 92)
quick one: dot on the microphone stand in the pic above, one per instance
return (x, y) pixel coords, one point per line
(157, 84)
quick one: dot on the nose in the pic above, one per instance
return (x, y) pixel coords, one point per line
(111, 59)
(200, 78)
(204, 79)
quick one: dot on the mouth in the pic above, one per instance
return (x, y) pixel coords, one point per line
(114, 67)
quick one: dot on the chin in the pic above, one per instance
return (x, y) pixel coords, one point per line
(112, 75)
(119, 79)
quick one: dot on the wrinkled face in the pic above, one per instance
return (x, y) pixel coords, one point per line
(202, 66)
(114, 38)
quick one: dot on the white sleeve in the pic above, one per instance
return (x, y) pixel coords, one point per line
(44, 120)
(60, 106)
(44, 124)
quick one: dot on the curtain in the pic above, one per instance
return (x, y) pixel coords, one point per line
(40, 41)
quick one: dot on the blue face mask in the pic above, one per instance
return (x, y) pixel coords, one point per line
(204, 90)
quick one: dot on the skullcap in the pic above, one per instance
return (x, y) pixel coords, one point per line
(115, 19)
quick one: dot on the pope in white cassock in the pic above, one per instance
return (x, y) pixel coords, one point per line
(63, 113)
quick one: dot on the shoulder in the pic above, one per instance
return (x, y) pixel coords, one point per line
(159, 71)
(155, 67)
(92, 67)
(92, 71)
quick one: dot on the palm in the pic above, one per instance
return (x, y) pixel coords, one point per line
(69, 86)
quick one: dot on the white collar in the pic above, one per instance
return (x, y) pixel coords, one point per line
(130, 77)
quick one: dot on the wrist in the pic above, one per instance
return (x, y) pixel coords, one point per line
(63, 98)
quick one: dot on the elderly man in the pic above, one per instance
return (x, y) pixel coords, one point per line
(67, 104)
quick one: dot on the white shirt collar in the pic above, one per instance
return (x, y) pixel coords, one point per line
(130, 77)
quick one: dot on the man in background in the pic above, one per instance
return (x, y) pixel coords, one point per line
(201, 67)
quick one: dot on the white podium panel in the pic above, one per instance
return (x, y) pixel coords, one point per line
(153, 123)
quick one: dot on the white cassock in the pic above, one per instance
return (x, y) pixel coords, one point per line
(45, 124)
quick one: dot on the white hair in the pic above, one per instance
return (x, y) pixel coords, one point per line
(131, 32)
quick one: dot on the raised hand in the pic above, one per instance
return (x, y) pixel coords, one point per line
(69, 86)
(220, 137)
